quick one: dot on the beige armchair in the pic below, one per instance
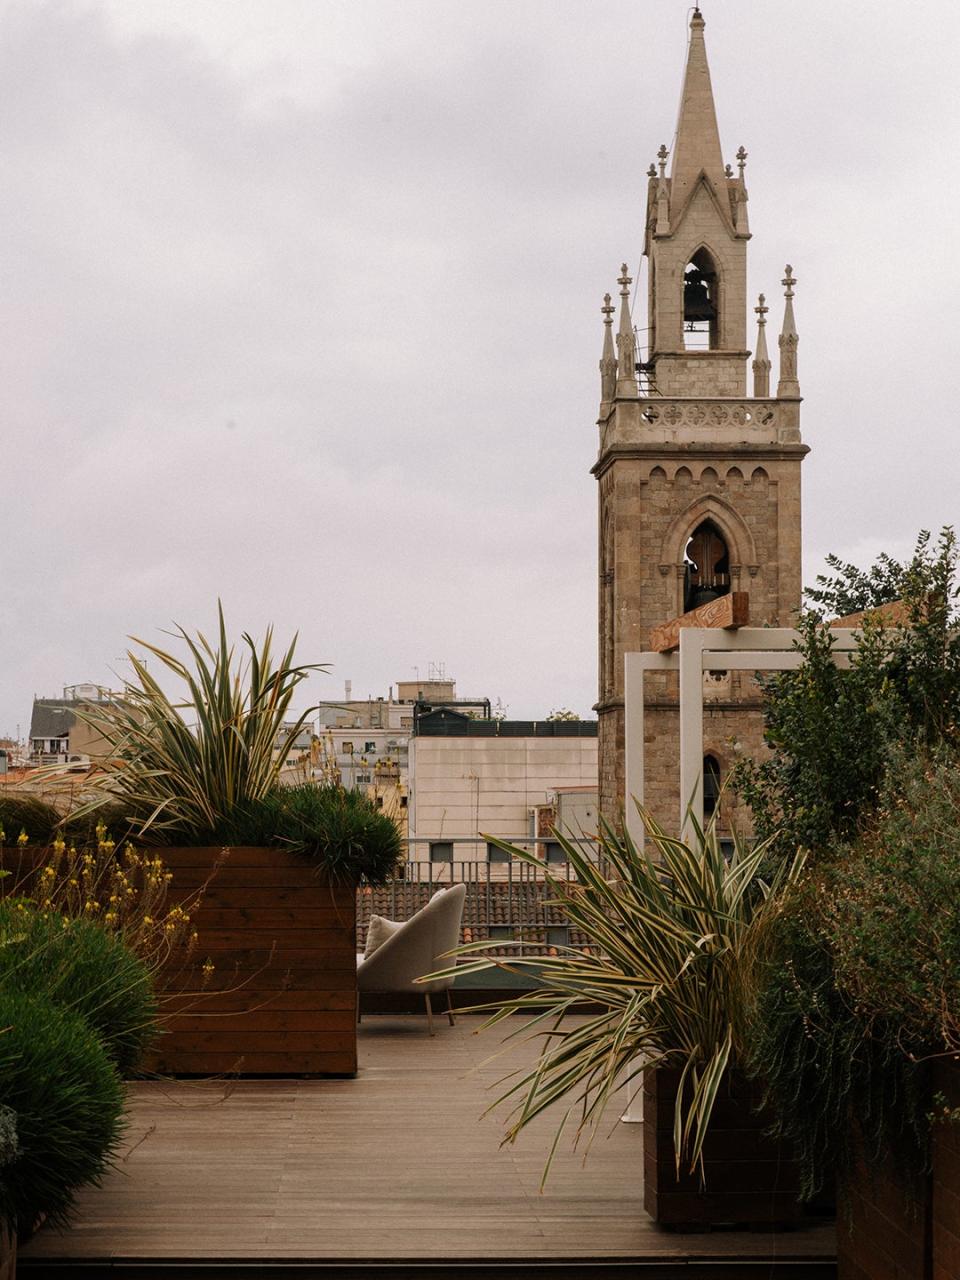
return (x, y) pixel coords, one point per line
(416, 947)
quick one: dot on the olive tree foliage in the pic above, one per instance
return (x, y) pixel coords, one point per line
(831, 731)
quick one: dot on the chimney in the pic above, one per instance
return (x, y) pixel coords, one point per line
(347, 690)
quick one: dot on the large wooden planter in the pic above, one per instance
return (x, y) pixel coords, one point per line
(281, 999)
(8, 1254)
(750, 1179)
(896, 1231)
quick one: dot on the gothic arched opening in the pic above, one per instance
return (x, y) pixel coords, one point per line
(706, 566)
(711, 786)
(701, 303)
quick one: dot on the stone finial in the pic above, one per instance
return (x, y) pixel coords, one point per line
(662, 225)
(652, 171)
(626, 341)
(741, 223)
(728, 170)
(789, 385)
(761, 362)
(608, 360)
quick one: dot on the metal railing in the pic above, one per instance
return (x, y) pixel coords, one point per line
(506, 898)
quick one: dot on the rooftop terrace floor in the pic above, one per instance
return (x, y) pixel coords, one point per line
(395, 1164)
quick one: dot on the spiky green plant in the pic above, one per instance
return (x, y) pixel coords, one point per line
(182, 767)
(667, 927)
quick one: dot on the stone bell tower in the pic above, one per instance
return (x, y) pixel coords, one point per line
(699, 481)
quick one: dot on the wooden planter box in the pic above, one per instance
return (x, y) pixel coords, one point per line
(282, 997)
(8, 1254)
(898, 1232)
(751, 1179)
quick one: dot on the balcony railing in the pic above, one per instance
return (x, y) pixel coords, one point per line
(506, 898)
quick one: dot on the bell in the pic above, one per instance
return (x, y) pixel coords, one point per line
(703, 595)
(696, 298)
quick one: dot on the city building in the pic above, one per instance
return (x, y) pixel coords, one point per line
(59, 734)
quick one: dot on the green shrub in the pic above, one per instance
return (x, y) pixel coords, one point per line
(831, 731)
(30, 814)
(66, 1093)
(9, 1143)
(820, 1064)
(341, 831)
(78, 965)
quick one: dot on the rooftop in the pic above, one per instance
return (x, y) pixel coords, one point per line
(394, 1165)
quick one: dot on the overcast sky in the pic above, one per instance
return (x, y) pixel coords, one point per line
(299, 303)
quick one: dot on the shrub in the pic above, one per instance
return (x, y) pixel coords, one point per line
(57, 1077)
(9, 1143)
(77, 965)
(123, 890)
(341, 831)
(831, 731)
(29, 814)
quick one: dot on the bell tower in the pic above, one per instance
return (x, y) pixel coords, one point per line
(699, 481)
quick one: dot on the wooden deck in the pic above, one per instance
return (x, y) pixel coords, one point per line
(393, 1166)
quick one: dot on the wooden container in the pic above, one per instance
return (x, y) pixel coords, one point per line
(906, 1231)
(8, 1254)
(750, 1179)
(281, 997)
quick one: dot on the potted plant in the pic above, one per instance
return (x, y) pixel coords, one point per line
(667, 929)
(853, 1025)
(272, 985)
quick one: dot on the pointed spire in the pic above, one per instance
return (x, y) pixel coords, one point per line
(662, 227)
(698, 139)
(608, 360)
(788, 386)
(740, 222)
(626, 343)
(761, 362)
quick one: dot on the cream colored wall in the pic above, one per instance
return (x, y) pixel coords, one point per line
(470, 786)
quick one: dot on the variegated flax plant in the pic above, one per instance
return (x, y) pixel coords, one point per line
(667, 927)
(185, 768)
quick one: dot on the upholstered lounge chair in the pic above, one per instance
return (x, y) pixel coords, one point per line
(414, 948)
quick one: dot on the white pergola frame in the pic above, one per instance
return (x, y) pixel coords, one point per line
(703, 649)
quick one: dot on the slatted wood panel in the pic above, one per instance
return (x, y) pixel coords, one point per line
(282, 995)
(398, 1163)
(749, 1177)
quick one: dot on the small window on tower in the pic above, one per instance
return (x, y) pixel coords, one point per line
(711, 786)
(706, 567)
(701, 304)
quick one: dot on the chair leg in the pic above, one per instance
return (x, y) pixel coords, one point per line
(426, 996)
(453, 1021)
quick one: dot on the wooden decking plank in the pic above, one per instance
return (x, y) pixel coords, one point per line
(395, 1164)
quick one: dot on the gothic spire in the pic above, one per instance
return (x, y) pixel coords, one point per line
(788, 386)
(697, 148)
(608, 360)
(761, 361)
(626, 343)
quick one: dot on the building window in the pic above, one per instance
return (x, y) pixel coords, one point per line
(701, 308)
(363, 779)
(555, 852)
(441, 850)
(347, 748)
(496, 854)
(403, 802)
(706, 566)
(711, 786)
(369, 748)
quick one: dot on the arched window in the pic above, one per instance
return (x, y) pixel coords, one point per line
(707, 566)
(711, 786)
(701, 303)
